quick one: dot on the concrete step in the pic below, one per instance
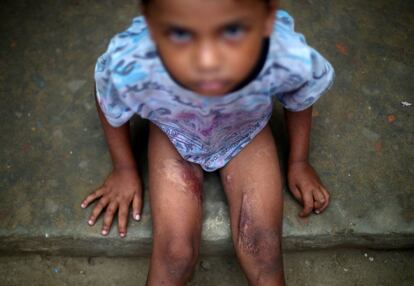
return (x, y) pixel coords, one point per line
(58, 226)
(53, 151)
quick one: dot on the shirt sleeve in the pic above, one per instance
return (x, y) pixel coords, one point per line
(322, 77)
(113, 108)
(313, 75)
(116, 71)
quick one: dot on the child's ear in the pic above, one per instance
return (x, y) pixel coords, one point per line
(270, 20)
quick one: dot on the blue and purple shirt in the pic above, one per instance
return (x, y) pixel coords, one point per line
(131, 79)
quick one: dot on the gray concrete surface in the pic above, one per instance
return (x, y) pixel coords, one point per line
(53, 152)
(314, 268)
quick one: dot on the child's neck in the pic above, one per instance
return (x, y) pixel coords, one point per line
(257, 68)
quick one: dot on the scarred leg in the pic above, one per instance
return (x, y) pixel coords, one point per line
(176, 208)
(254, 190)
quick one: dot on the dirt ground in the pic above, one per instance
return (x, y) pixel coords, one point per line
(320, 268)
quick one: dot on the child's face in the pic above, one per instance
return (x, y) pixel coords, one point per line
(209, 46)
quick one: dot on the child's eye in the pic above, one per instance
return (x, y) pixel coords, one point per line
(234, 32)
(178, 35)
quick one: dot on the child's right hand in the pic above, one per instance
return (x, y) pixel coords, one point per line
(121, 187)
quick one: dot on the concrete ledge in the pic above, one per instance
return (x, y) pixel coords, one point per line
(73, 237)
(113, 246)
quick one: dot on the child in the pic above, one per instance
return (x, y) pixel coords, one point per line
(205, 73)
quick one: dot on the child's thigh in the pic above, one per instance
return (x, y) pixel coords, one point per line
(253, 187)
(175, 191)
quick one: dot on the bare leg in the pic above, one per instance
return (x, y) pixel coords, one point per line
(253, 188)
(176, 208)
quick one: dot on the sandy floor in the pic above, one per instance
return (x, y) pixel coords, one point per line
(316, 268)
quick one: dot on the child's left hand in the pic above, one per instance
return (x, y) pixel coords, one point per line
(307, 188)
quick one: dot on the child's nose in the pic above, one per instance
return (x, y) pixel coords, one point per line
(208, 58)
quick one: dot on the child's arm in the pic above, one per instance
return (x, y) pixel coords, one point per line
(123, 184)
(304, 182)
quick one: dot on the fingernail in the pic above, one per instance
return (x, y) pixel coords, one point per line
(122, 234)
(137, 217)
(90, 222)
(104, 232)
(317, 212)
(82, 205)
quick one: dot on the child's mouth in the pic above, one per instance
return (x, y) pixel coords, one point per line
(211, 86)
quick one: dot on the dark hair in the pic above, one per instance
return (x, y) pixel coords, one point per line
(146, 2)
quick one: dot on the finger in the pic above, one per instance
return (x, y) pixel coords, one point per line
(123, 219)
(136, 207)
(296, 193)
(327, 199)
(319, 200)
(93, 196)
(307, 203)
(109, 216)
(316, 205)
(97, 210)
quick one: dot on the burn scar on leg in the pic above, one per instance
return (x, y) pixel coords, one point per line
(262, 244)
(246, 241)
(184, 175)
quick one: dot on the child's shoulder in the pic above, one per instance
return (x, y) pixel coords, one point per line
(284, 20)
(130, 57)
(135, 39)
(289, 50)
(286, 42)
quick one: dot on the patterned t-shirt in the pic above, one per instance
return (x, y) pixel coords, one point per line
(131, 79)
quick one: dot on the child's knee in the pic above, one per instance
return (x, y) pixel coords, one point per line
(263, 247)
(180, 257)
(261, 244)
